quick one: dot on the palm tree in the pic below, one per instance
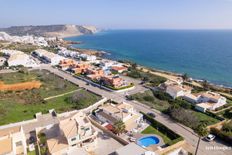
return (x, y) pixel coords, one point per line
(134, 65)
(119, 127)
(185, 77)
(201, 132)
(205, 84)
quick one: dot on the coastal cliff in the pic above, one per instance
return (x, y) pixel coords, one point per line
(60, 31)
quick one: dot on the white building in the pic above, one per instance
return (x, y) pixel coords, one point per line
(87, 57)
(73, 134)
(28, 39)
(13, 141)
(68, 53)
(209, 101)
(16, 58)
(111, 113)
(176, 90)
(53, 59)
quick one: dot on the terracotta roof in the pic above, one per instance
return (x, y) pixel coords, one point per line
(69, 127)
(5, 146)
(7, 131)
(118, 68)
(57, 144)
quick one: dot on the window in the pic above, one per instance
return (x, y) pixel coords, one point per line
(74, 145)
(73, 139)
(19, 143)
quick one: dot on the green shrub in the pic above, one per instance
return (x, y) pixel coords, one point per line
(148, 98)
(175, 141)
(162, 95)
(163, 129)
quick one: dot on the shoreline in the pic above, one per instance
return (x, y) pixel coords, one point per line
(103, 54)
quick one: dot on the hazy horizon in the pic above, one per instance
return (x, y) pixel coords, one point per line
(121, 14)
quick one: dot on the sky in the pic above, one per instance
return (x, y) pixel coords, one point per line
(119, 14)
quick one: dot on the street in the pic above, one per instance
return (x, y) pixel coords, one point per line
(187, 133)
(191, 138)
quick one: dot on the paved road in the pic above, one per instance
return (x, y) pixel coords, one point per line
(186, 132)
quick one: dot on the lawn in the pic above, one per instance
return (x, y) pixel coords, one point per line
(51, 84)
(205, 118)
(152, 130)
(149, 99)
(13, 111)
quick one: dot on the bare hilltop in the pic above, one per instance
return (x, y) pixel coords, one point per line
(50, 30)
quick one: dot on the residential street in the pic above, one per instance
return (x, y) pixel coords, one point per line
(186, 132)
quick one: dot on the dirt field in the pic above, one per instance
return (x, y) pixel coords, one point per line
(20, 86)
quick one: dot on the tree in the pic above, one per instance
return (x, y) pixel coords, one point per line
(185, 77)
(119, 127)
(145, 79)
(201, 131)
(134, 65)
(205, 84)
(23, 70)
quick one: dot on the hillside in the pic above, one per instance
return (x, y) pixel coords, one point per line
(50, 30)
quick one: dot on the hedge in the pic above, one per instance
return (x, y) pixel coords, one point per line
(214, 115)
(221, 135)
(163, 129)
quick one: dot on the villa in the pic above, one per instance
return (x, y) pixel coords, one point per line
(79, 68)
(66, 63)
(114, 81)
(209, 101)
(206, 100)
(74, 133)
(13, 141)
(111, 113)
(94, 73)
(118, 69)
(176, 90)
(87, 57)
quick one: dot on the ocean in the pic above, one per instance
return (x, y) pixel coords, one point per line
(202, 54)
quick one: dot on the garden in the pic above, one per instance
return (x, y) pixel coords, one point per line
(179, 109)
(169, 137)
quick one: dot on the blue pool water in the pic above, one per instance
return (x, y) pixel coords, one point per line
(147, 141)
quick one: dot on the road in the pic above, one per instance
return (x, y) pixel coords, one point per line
(184, 131)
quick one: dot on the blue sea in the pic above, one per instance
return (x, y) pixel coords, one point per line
(202, 54)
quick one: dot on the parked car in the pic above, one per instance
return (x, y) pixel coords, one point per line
(151, 114)
(210, 137)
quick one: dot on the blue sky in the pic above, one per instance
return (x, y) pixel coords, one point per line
(120, 14)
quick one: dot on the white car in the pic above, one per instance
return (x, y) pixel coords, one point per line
(210, 137)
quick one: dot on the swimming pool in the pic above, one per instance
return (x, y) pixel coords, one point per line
(148, 140)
